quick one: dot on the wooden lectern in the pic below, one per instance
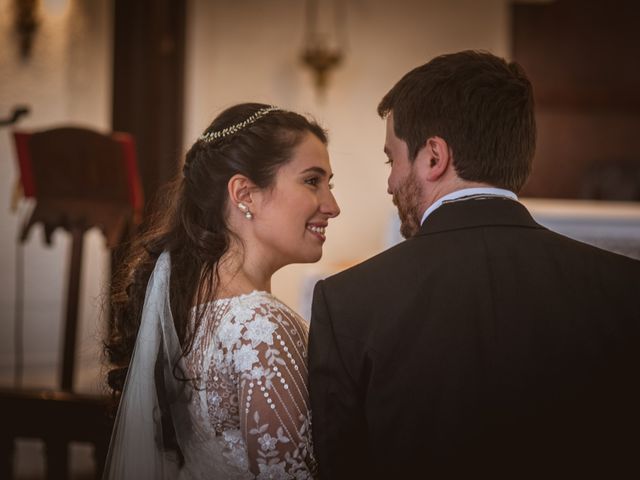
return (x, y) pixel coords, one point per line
(80, 179)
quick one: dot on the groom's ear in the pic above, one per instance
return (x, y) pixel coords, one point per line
(438, 158)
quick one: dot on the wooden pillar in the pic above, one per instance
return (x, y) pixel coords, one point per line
(148, 84)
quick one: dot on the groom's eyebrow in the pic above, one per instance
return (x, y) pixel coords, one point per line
(318, 170)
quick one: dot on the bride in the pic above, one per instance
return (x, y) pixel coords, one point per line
(211, 367)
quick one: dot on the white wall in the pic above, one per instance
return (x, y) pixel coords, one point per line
(67, 79)
(238, 50)
(248, 50)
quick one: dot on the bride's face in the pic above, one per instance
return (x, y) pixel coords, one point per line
(290, 224)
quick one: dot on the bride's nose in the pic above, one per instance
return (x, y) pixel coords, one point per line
(329, 206)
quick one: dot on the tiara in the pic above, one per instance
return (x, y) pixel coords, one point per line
(207, 137)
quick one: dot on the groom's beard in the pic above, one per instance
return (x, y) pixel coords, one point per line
(407, 199)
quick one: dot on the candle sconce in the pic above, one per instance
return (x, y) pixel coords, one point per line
(26, 22)
(319, 53)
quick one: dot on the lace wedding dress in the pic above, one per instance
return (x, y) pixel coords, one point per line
(245, 416)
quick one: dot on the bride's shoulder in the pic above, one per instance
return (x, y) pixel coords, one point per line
(258, 307)
(259, 318)
(246, 306)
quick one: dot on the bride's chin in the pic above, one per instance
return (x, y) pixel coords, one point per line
(311, 257)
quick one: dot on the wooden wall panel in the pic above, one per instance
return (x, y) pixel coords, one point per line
(582, 57)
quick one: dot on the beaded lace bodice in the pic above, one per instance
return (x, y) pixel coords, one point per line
(249, 356)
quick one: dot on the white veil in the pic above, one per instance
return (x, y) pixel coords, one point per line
(154, 401)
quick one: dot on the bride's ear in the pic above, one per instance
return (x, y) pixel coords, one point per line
(241, 190)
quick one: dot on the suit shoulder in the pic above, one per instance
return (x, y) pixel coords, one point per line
(380, 264)
(596, 252)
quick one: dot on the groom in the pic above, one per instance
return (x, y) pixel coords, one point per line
(485, 344)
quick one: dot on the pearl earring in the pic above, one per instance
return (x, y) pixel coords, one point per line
(247, 214)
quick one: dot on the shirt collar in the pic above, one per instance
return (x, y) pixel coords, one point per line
(468, 192)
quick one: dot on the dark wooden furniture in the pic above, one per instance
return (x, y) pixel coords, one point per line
(80, 179)
(58, 418)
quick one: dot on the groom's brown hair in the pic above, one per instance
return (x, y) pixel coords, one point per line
(479, 104)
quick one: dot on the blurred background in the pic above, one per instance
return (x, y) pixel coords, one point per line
(162, 69)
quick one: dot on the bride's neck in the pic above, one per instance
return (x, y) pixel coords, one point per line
(239, 274)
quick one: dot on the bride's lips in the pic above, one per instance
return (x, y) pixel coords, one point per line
(318, 230)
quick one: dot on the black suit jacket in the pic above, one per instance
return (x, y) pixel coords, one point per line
(486, 344)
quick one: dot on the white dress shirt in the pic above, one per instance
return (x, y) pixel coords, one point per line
(469, 192)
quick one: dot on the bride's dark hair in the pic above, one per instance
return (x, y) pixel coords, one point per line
(190, 223)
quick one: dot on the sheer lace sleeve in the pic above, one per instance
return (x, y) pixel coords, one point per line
(268, 357)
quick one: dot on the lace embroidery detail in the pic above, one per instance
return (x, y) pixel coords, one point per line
(249, 353)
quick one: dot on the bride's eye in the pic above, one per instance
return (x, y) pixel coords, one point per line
(313, 181)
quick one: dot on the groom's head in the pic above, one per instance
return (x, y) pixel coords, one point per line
(462, 118)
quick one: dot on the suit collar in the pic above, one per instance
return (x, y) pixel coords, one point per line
(478, 213)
